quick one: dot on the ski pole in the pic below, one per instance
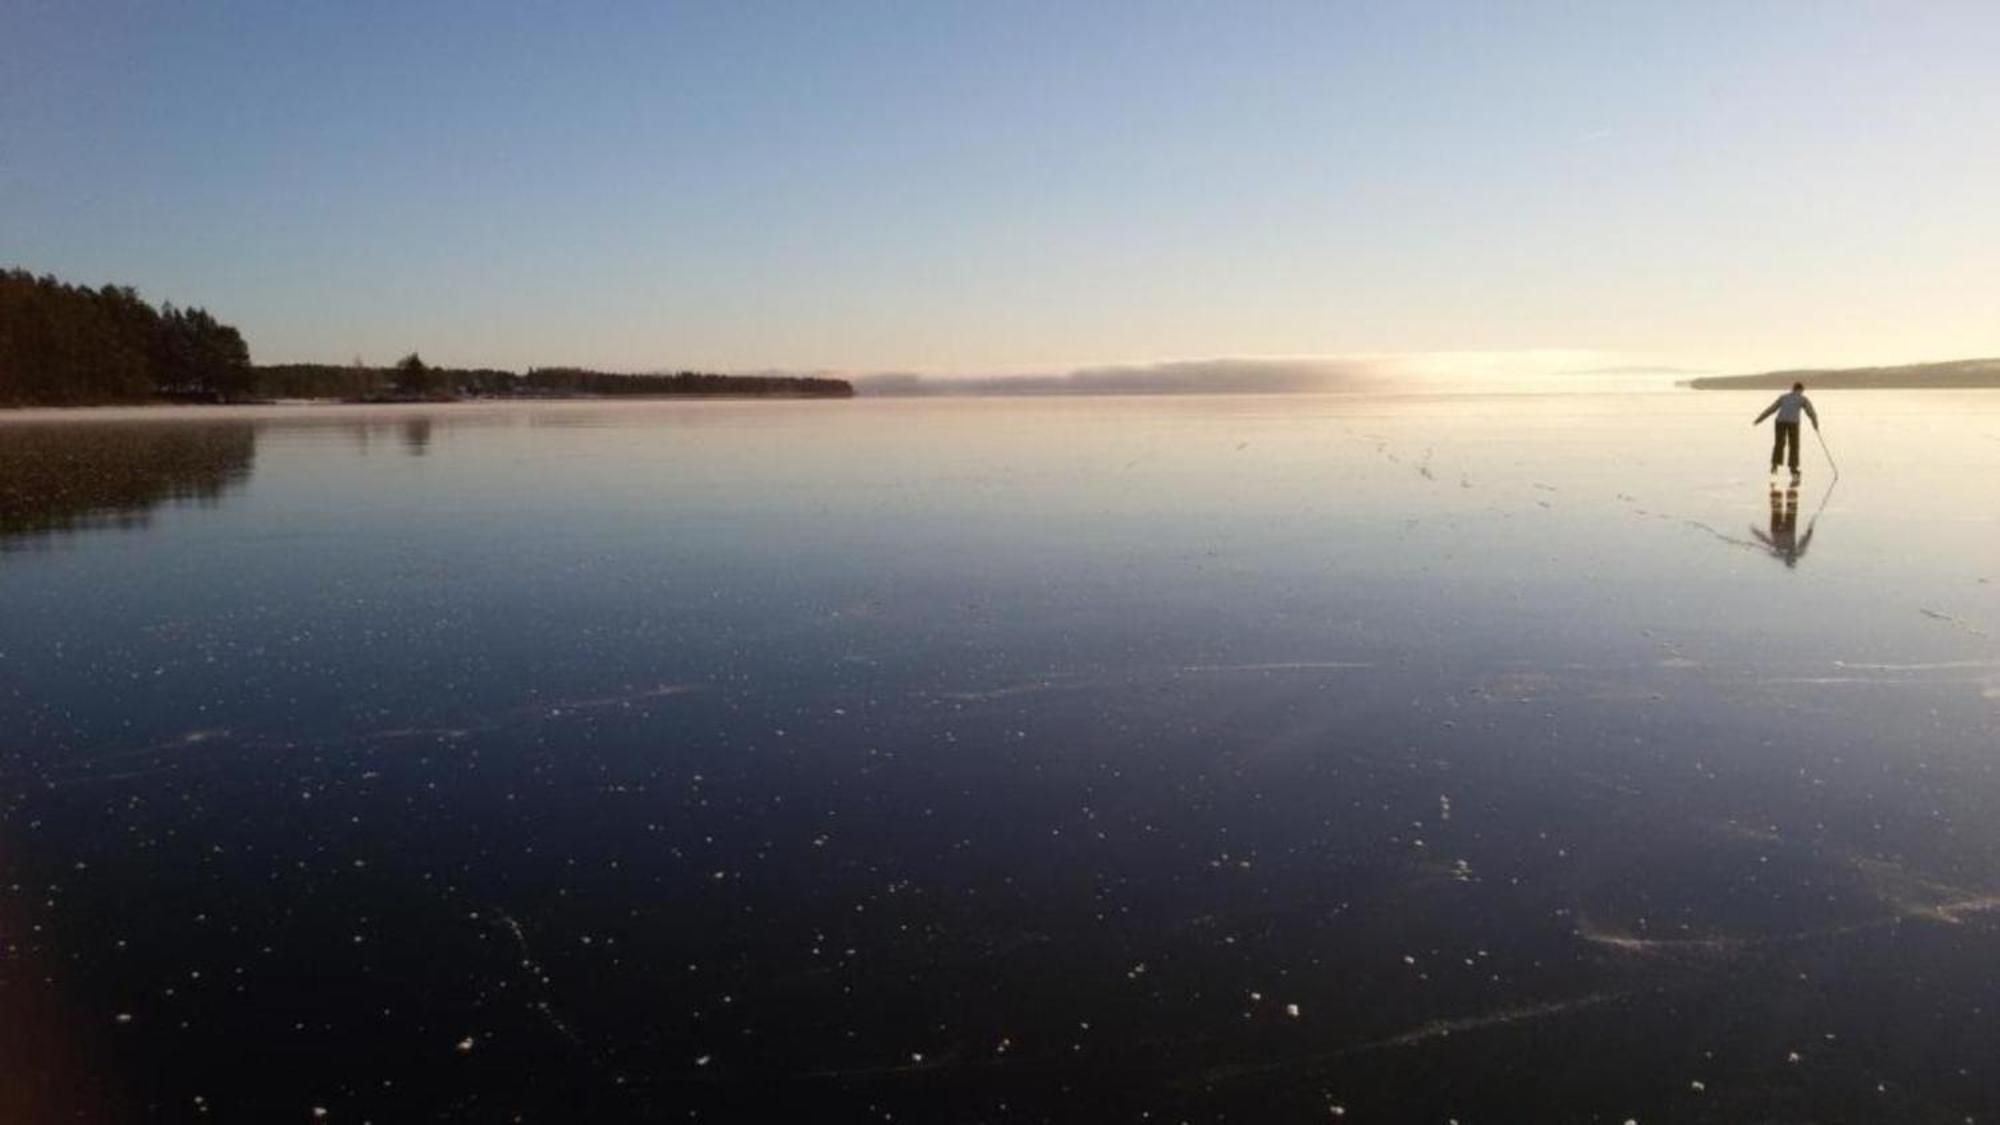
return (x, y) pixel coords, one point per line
(1829, 453)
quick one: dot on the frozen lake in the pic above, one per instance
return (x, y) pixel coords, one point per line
(1497, 758)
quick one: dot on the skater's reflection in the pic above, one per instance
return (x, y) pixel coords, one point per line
(1783, 540)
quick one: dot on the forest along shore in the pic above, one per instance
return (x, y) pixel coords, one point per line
(71, 345)
(1961, 374)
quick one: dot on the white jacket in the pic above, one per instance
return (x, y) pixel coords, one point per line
(1787, 408)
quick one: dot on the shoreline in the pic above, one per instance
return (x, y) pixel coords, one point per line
(176, 405)
(1950, 375)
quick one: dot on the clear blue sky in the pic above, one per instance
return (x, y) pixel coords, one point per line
(1020, 186)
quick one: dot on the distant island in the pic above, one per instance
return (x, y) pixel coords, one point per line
(71, 345)
(1955, 375)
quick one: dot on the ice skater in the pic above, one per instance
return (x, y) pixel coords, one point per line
(1786, 434)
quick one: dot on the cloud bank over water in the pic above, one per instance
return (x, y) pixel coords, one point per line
(1438, 371)
(1195, 376)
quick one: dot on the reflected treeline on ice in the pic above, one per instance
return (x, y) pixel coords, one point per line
(58, 479)
(65, 477)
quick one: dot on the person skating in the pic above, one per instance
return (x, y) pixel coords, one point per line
(1785, 437)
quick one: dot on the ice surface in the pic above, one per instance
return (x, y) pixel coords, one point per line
(977, 760)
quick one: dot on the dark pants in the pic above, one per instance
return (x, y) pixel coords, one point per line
(1787, 434)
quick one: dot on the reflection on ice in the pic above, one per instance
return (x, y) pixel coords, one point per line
(57, 478)
(1783, 540)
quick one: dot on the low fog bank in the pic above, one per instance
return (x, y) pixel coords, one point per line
(1181, 377)
(1434, 373)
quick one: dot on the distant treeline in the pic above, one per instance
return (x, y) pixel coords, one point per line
(412, 378)
(64, 345)
(1956, 374)
(70, 345)
(576, 380)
